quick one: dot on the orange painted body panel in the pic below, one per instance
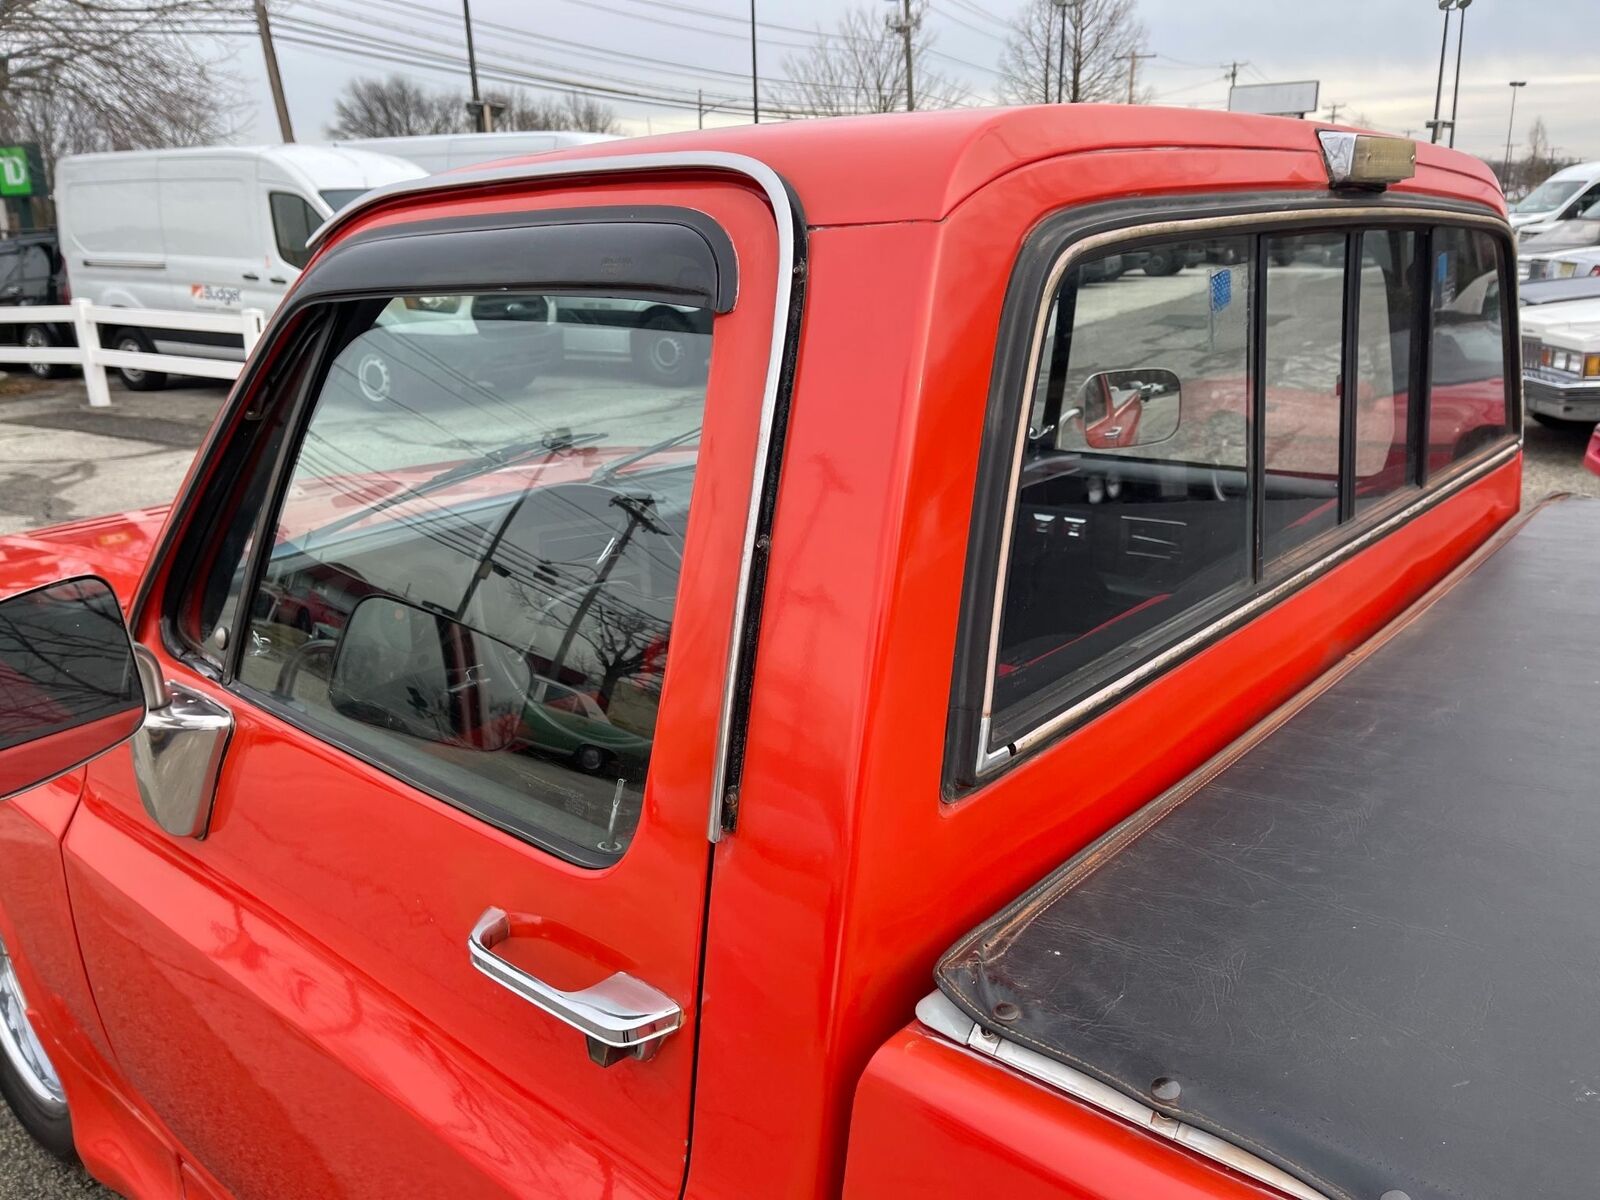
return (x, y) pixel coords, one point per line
(348, 1043)
(936, 1122)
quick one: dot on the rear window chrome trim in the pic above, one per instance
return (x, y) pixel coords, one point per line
(988, 760)
(937, 1013)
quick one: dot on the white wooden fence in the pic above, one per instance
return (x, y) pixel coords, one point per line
(87, 319)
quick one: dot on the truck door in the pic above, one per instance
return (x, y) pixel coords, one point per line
(458, 619)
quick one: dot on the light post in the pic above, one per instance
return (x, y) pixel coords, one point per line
(755, 82)
(1435, 125)
(1511, 123)
(1461, 37)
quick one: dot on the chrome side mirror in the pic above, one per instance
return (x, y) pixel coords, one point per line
(178, 752)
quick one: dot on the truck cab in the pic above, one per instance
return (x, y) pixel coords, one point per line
(579, 786)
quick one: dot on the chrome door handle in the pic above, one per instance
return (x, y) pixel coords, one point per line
(618, 1017)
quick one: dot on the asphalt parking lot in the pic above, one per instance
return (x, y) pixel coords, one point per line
(61, 460)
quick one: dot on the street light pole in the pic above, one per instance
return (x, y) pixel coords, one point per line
(1061, 53)
(755, 82)
(1511, 122)
(1438, 90)
(1461, 37)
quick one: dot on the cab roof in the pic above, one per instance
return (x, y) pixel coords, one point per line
(920, 166)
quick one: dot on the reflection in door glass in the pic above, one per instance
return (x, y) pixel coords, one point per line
(474, 571)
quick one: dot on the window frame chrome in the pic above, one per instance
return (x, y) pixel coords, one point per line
(788, 310)
(973, 760)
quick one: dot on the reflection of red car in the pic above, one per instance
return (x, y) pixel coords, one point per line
(1592, 459)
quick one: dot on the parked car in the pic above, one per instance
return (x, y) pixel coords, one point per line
(1161, 672)
(1561, 362)
(1564, 264)
(1559, 240)
(1559, 198)
(208, 229)
(32, 273)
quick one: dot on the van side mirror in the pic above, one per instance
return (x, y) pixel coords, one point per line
(1119, 409)
(69, 689)
(419, 672)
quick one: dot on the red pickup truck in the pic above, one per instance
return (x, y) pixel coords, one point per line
(984, 721)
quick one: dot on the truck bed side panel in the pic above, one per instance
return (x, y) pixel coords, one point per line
(932, 1120)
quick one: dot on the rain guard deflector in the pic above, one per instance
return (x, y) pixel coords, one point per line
(1368, 951)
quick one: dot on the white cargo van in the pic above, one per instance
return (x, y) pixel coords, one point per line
(446, 151)
(1562, 197)
(215, 228)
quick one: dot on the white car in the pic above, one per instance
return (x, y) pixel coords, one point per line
(1559, 240)
(1561, 362)
(1564, 264)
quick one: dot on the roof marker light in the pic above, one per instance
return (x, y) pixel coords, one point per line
(1363, 160)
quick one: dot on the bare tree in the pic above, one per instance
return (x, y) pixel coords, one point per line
(396, 107)
(83, 75)
(860, 68)
(400, 107)
(1075, 51)
(523, 110)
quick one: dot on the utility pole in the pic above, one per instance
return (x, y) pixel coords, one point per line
(755, 83)
(480, 111)
(1511, 122)
(285, 129)
(699, 108)
(1061, 53)
(1049, 33)
(905, 27)
(1133, 68)
(1333, 113)
(1233, 73)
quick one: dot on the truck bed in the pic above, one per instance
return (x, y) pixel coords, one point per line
(1365, 948)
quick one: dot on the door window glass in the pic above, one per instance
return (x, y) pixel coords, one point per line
(1132, 509)
(1388, 310)
(1467, 394)
(1304, 351)
(472, 578)
(293, 221)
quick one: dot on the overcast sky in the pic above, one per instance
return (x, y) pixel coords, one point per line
(1376, 58)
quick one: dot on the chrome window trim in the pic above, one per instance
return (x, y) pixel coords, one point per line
(785, 212)
(1453, 478)
(939, 1015)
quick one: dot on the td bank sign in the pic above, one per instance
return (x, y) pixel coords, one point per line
(15, 177)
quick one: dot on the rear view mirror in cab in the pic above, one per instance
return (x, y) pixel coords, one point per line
(1119, 409)
(425, 674)
(69, 689)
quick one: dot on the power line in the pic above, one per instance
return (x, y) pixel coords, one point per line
(965, 24)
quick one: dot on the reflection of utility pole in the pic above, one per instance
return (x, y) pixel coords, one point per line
(274, 80)
(636, 507)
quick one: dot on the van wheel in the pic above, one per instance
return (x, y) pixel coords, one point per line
(1162, 262)
(134, 342)
(42, 337)
(28, 1081)
(664, 351)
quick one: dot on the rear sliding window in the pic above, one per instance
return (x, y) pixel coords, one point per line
(1210, 416)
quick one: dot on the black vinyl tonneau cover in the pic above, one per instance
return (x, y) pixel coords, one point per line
(1368, 949)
